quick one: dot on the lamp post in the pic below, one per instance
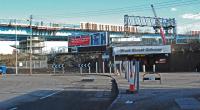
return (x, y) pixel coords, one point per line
(31, 34)
(16, 65)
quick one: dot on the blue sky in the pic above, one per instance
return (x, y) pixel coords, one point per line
(101, 11)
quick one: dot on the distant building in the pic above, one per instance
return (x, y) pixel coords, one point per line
(106, 27)
(37, 45)
(195, 32)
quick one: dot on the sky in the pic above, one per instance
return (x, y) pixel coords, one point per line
(186, 12)
(101, 11)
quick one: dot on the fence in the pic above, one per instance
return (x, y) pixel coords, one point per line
(35, 64)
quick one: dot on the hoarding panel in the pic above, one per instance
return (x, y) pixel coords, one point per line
(91, 40)
(79, 41)
(103, 38)
(96, 39)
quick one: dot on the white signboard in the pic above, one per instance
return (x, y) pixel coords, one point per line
(131, 39)
(141, 50)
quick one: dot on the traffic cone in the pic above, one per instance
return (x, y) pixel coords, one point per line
(131, 86)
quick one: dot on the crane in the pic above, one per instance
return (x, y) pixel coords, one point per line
(158, 25)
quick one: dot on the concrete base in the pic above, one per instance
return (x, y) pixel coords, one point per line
(131, 92)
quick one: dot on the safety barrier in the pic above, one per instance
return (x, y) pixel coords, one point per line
(151, 76)
(58, 66)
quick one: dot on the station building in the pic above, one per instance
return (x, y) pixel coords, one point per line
(147, 48)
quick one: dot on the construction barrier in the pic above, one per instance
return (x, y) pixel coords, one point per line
(133, 76)
(151, 76)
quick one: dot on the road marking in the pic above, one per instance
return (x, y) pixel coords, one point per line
(129, 102)
(50, 94)
(15, 108)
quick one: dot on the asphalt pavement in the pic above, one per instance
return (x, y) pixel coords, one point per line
(47, 92)
(178, 91)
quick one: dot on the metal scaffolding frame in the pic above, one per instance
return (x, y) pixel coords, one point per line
(141, 21)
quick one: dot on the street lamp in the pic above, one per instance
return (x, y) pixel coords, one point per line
(31, 33)
(16, 52)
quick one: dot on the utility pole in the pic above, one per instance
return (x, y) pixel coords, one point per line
(31, 34)
(16, 52)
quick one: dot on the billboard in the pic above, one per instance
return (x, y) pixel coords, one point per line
(98, 39)
(94, 39)
(79, 41)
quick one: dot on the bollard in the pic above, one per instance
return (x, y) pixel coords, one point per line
(54, 70)
(89, 69)
(154, 68)
(131, 79)
(120, 68)
(137, 63)
(110, 65)
(96, 67)
(144, 69)
(103, 67)
(126, 74)
(131, 83)
(81, 70)
(129, 64)
(63, 70)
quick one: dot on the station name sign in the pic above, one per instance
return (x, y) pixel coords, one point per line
(141, 50)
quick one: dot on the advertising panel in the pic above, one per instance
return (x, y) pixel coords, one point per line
(94, 39)
(79, 41)
(98, 39)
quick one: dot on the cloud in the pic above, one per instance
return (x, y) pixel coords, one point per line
(182, 29)
(191, 16)
(173, 9)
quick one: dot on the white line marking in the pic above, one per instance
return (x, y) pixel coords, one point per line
(15, 108)
(50, 94)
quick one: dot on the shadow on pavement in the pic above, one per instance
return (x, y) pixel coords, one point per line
(61, 100)
(154, 99)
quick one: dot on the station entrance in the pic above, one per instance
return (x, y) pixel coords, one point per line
(148, 56)
(147, 62)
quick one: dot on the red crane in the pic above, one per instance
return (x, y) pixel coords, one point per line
(158, 24)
